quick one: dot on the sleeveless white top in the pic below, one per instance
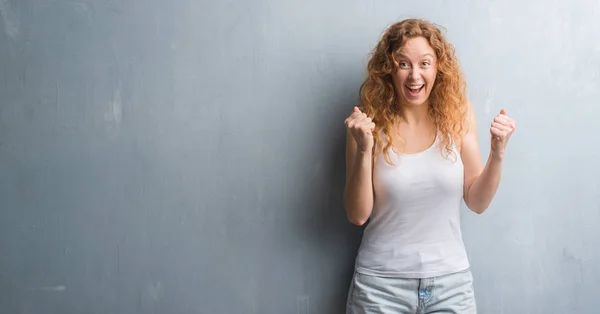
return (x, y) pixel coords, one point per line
(414, 229)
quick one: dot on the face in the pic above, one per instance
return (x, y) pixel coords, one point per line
(416, 74)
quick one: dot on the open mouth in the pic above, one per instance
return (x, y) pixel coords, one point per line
(414, 90)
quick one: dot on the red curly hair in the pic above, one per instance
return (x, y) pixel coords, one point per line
(447, 101)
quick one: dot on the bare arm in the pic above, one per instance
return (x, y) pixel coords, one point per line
(481, 183)
(358, 190)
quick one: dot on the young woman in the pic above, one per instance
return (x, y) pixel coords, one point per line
(412, 157)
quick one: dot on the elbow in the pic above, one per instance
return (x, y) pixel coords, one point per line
(477, 208)
(358, 210)
(356, 216)
(358, 221)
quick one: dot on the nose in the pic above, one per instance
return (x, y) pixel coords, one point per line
(414, 73)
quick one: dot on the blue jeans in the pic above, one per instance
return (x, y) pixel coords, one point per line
(451, 293)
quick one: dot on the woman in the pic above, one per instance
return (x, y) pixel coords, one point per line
(412, 157)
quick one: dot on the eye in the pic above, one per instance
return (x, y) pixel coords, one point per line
(403, 64)
(426, 63)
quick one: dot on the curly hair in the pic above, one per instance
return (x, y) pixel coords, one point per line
(447, 101)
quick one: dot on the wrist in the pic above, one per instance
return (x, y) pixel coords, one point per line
(364, 153)
(496, 157)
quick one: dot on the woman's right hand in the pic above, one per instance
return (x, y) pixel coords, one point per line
(361, 127)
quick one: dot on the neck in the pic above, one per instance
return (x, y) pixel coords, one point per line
(415, 115)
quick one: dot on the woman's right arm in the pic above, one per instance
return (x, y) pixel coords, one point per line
(358, 191)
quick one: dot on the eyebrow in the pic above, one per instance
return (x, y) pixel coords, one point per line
(423, 55)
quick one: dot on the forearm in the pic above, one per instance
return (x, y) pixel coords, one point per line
(484, 187)
(358, 194)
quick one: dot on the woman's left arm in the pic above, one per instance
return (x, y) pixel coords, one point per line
(482, 182)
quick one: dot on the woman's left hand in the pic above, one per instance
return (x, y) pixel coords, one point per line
(501, 129)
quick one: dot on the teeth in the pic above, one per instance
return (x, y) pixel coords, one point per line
(415, 87)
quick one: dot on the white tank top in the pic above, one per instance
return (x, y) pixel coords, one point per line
(414, 229)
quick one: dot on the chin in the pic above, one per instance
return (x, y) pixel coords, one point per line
(417, 102)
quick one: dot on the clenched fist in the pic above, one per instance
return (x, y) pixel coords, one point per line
(501, 129)
(361, 128)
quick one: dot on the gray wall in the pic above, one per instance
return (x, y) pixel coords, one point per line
(187, 156)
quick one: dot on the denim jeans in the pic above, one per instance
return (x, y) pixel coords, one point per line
(451, 293)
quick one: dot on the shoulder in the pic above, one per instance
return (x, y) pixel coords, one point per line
(469, 142)
(468, 126)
